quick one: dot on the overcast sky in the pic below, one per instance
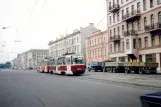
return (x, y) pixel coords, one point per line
(47, 22)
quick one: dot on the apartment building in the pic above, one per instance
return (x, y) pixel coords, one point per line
(97, 47)
(134, 28)
(34, 56)
(72, 43)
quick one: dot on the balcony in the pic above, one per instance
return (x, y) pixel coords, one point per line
(115, 38)
(114, 8)
(131, 16)
(153, 28)
(130, 33)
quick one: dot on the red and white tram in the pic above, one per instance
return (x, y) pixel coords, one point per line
(70, 64)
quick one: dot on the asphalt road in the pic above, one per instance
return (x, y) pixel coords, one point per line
(32, 89)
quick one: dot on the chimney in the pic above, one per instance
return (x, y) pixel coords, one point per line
(91, 24)
(75, 30)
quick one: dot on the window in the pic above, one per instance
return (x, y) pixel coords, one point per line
(138, 6)
(146, 41)
(153, 40)
(144, 4)
(122, 30)
(95, 41)
(134, 43)
(139, 26)
(122, 59)
(122, 14)
(114, 47)
(151, 3)
(110, 5)
(127, 26)
(152, 20)
(140, 58)
(159, 1)
(159, 18)
(118, 16)
(127, 11)
(159, 39)
(110, 33)
(139, 41)
(114, 32)
(151, 58)
(132, 9)
(111, 48)
(119, 46)
(145, 22)
(123, 46)
(110, 20)
(127, 43)
(122, 1)
(133, 26)
(118, 31)
(113, 18)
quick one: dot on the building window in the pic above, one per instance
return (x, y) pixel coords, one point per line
(159, 18)
(122, 59)
(118, 31)
(139, 43)
(118, 16)
(132, 9)
(122, 30)
(138, 6)
(152, 20)
(110, 33)
(123, 48)
(113, 18)
(144, 4)
(127, 26)
(133, 26)
(140, 58)
(151, 58)
(114, 32)
(153, 40)
(134, 43)
(122, 14)
(119, 46)
(95, 41)
(122, 1)
(151, 3)
(110, 5)
(127, 43)
(139, 26)
(111, 48)
(159, 39)
(110, 20)
(145, 22)
(146, 41)
(127, 11)
(159, 1)
(114, 47)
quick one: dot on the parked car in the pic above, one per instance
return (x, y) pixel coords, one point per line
(151, 100)
(95, 66)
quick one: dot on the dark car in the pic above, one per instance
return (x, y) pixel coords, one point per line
(151, 100)
(95, 66)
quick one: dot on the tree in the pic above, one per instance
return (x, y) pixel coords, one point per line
(6, 65)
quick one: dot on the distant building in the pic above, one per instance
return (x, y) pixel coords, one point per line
(134, 28)
(29, 59)
(97, 47)
(72, 43)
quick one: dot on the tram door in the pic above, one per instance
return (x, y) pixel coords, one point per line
(68, 64)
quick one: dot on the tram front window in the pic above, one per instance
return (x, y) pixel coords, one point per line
(78, 61)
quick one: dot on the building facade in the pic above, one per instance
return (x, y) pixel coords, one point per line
(29, 59)
(97, 47)
(134, 28)
(72, 43)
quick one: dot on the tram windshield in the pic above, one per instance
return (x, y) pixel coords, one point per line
(78, 60)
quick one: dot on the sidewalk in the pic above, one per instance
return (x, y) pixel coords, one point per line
(133, 79)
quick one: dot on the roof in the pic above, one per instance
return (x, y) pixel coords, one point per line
(70, 35)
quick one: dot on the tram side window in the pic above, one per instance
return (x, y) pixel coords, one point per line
(78, 60)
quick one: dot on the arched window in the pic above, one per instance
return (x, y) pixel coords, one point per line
(159, 17)
(145, 22)
(114, 32)
(152, 20)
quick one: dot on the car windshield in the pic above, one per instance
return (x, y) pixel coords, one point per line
(78, 60)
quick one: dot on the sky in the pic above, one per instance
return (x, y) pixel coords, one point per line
(35, 27)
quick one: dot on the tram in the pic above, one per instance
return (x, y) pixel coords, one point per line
(69, 64)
